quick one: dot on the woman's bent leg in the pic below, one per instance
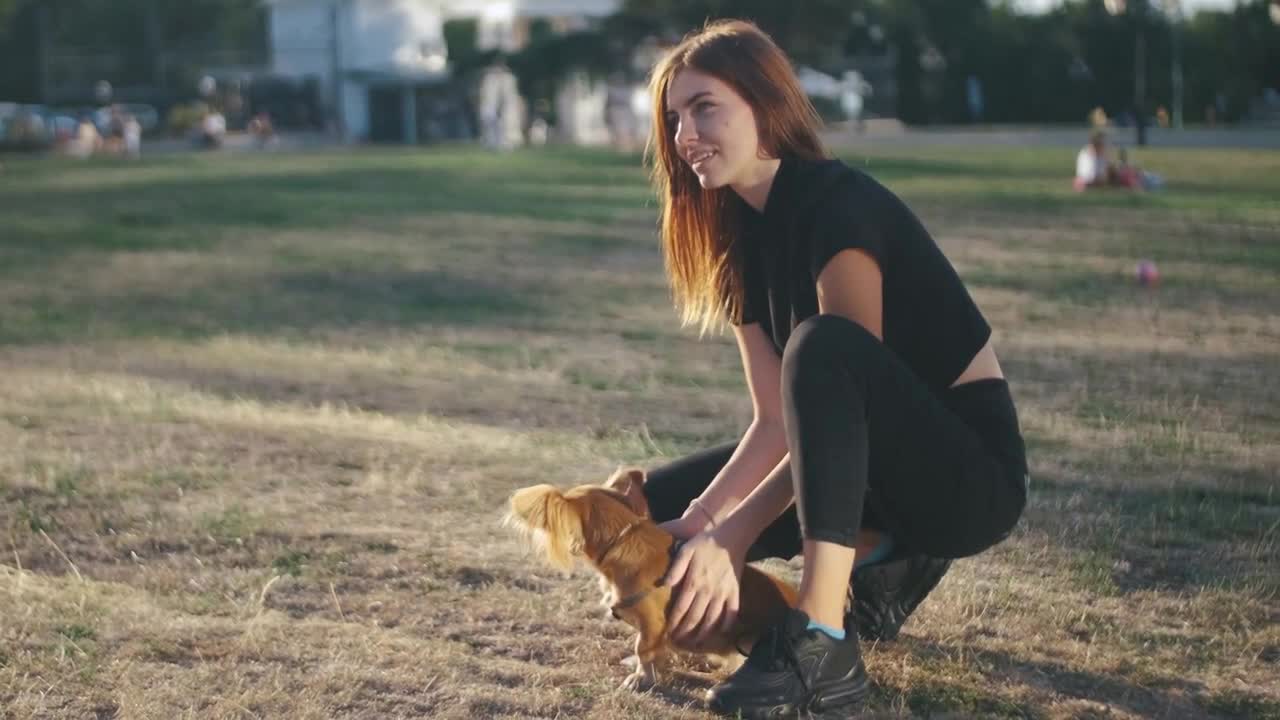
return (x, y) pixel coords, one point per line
(863, 428)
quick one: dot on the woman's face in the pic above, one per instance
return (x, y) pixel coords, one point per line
(714, 128)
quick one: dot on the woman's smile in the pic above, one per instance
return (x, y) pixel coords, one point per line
(698, 159)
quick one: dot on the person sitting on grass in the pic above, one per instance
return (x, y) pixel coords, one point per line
(1094, 169)
(884, 442)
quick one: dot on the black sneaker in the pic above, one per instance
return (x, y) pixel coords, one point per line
(884, 595)
(795, 672)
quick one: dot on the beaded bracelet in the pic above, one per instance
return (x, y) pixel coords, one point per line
(697, 502)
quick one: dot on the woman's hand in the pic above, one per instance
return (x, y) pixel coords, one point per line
(706, 573)
(685, 527)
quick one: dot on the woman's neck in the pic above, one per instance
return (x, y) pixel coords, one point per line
(754, 190)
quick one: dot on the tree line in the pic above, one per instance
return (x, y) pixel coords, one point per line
(1052, 67)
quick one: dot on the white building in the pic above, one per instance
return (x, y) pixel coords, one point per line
(373, 57)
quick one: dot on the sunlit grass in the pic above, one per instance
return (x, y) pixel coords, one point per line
(260, 415)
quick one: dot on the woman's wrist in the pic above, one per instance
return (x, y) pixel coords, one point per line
(733, 536)
(701, 516)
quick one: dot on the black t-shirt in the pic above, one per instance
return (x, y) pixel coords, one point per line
(814, 210)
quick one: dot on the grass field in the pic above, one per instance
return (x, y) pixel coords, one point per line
(259, 416)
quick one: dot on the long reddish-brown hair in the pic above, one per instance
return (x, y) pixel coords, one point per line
(697, 229)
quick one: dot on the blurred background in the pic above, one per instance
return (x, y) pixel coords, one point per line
(218, 73)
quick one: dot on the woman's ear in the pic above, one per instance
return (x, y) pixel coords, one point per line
(555, 524)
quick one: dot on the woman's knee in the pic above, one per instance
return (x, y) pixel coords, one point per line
(826, 341)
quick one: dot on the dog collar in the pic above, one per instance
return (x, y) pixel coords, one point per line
(635, 597)
(617, 539)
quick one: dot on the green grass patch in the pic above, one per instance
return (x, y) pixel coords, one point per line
(76, 633)
(234, 524)
(291, 563)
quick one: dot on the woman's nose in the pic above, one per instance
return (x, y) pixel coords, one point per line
(685, 132)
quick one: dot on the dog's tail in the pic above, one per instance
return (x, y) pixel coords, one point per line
(544, 510)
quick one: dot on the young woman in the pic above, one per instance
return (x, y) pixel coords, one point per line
(884, 433)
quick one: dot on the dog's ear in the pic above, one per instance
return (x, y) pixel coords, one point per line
(545, 510)
(630, 483)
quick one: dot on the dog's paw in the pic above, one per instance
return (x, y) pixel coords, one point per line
(638, 681)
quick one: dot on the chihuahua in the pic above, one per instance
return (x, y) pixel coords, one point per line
(608, 526)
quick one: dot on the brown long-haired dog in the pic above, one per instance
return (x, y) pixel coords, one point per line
(608, 526)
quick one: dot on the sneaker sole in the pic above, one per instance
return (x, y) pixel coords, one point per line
(835, 701)
(840, 700)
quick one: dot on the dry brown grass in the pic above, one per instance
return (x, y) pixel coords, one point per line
(259, 419)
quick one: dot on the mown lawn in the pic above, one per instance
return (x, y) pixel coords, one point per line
(259, 415)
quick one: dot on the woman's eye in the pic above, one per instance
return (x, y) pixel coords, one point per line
(703, 107)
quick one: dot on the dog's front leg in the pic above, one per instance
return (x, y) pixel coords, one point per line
(607, 598)
(646, 672)
(650, 645)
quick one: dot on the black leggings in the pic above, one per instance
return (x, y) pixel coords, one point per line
(872, 446)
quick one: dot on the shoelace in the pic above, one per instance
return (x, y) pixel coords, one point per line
(780, 648)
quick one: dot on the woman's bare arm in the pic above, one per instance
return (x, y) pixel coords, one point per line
(764, 443)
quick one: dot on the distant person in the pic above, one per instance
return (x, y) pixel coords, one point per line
(1126, 174)
(853, 95)
(262, 130)
(1134, 177)
(973, 96)
(539, 126)
(641, 111)
(1095, 169)
(132, 132)
(213, 130)
(113, 139)
(618, 117)
(87, 140)
(500, 109)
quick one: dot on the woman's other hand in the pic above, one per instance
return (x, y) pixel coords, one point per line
(685, 527)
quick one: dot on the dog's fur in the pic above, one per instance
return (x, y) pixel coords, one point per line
(612, 520)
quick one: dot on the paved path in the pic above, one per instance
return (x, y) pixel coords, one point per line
(889, 133)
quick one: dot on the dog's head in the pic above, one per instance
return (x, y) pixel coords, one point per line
(629, 483)
(572, 522)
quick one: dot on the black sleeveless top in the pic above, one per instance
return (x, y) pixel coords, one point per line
(814, 210)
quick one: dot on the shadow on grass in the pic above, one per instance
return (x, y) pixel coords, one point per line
(1174, 539)
(1164, 698)
(192, 214)
(194, 204)
(281, 303)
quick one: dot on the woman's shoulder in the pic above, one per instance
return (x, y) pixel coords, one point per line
(837, 188)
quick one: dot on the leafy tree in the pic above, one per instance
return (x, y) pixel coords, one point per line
(811, 31)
